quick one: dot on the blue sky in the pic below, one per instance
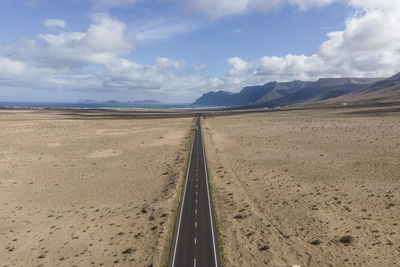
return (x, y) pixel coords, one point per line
(175, 50)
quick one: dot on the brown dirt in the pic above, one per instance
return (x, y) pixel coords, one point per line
(87, 192)
(312, 188)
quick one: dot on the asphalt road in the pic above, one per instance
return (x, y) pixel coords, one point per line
(195, 240)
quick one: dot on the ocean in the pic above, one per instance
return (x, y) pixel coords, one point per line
(52, 105)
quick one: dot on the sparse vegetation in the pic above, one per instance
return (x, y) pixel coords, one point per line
(346, 239)
(315, 242)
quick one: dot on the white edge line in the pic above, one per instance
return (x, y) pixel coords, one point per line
(183, 200)
(209, 201)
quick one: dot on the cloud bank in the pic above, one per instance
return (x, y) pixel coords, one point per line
(223, 8)
(50, 23)
(98, 59)
(93, 60)
(369, 46)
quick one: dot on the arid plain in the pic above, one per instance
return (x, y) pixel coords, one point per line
(316, 187)
(88, 192)
(307, 187)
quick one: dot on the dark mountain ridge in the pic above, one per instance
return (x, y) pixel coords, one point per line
(298, 92)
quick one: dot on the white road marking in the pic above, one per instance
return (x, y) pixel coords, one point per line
(195, 211)
(196, 201)
(198, 135)
(195, 224)
(183, 202)
(195, 240)
(209, 204)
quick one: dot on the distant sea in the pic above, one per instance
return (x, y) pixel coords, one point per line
(93, 105)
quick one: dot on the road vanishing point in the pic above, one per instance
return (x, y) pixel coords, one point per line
(195, 241)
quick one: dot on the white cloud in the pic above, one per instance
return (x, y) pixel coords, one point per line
(49, 23)
(236, 31)
(10, 68)
(97, 59)
(165, 78)
(222, 8)
(161, 29)
(94, 60)
(103, 42)
(14, 73)
(112, 3)
(238, 66)
(162, 80)
(369, 46)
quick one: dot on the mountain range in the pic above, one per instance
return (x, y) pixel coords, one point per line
(329, 90)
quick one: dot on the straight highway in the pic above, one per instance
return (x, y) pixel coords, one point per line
(195, 241)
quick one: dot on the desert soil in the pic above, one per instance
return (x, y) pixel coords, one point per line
(311, 188)
(88, 192)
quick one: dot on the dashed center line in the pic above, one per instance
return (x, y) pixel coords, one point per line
(181, 251)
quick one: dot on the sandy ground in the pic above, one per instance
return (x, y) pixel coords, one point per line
(312, 188)
(87, 192)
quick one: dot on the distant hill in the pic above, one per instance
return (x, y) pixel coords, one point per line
(299, 92)
(145, 102)
(384, 90)
(115, 102)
